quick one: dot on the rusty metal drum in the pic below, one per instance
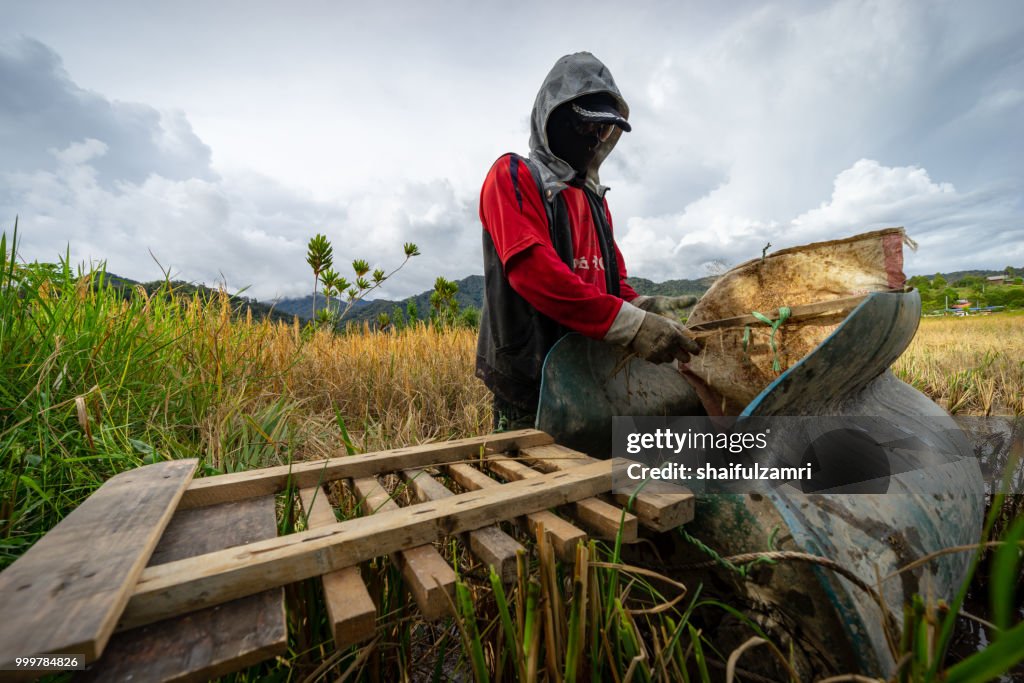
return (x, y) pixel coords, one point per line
(831, 623)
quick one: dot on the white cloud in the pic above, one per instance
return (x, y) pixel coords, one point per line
(868, 194)
(44, 109)
(745, 131)
(865, 196)
(139, 181)
(954, 230)
(248, 231)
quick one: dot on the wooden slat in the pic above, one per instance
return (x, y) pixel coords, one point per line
(239, 485)
(492, 546)
(797, 313)
(430, 579)
(659, 505)
(198, 582)
(68, 590)
(563, 536)
(604, 520)
(350, 609)
(214, 641)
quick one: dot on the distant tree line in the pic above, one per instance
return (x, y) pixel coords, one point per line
(937, 293)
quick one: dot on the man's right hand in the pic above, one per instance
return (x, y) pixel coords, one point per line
(660, 339)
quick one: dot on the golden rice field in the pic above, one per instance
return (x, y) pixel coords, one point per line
(149, 378)
(417, 385)
(392, 389)
(381, 390)
(972, 365)
(93, 383)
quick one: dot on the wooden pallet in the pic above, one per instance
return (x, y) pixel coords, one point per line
(158, 576)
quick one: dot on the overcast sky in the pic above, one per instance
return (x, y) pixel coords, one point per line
(220, 136)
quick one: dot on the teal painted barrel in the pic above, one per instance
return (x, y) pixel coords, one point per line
(924, 510)
(832, 624)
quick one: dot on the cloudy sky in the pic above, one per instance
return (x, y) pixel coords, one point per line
(219, 137)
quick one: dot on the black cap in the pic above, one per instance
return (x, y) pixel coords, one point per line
(599, 108)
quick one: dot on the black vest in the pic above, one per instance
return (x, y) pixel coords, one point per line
(514, 336)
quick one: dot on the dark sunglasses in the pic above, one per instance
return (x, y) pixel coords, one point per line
(603, 131)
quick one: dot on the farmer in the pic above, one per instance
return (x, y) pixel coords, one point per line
(551, 264)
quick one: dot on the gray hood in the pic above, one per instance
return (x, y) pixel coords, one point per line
(572, 76)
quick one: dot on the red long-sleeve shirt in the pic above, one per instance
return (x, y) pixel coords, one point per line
(514, 216)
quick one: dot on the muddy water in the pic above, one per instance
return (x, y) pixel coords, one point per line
(970, 637)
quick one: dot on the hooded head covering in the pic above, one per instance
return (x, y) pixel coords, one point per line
(571, 76)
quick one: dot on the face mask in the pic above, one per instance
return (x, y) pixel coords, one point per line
(574, 141)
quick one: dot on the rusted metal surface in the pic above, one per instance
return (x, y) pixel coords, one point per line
(873, 535)
(833, 625)
(585, 383)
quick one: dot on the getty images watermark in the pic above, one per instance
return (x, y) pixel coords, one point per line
(821, 454)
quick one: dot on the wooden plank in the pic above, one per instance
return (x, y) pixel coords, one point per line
(431, 580)
(197, 582)
(239, 485)
(492, 546)
(605, 520)
(659, 505)
(214, 641)
(563, 536)
(65, 594)
(797, 313)
(350, 609)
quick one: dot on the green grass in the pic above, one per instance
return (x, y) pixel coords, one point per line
(92, 384)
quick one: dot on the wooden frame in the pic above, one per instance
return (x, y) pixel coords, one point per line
(70, 599)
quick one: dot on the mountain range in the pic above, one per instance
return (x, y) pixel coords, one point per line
(470, 295)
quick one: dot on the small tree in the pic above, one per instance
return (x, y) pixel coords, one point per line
(319, 256)
(397, 318)
(1015, 298)
(444, 306)
(320, 259)
(969, 281)
(470, 318)
(920, 283)
(364, 286)
(996, 296)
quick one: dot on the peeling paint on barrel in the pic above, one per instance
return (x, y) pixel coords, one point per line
(870, 534)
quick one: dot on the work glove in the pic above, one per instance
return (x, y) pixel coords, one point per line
(668, 306)
(661, 339)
